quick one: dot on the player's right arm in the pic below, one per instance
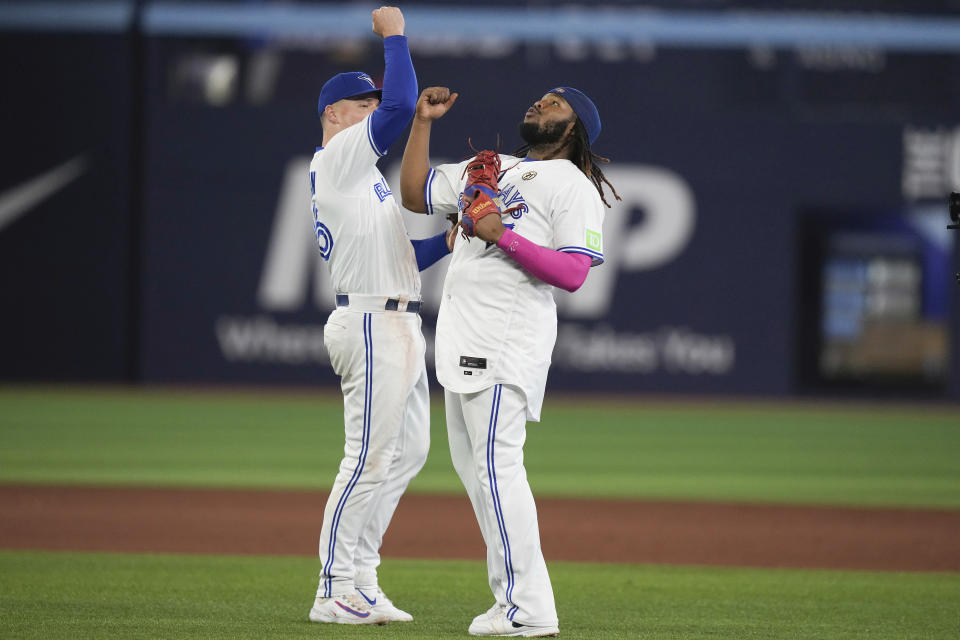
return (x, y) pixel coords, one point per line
(434, 102)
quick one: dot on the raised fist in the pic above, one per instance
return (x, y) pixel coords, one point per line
(387, 21)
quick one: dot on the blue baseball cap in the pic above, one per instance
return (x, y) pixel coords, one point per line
(346, 85)
(583, 107)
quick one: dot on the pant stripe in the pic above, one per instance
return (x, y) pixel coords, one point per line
(364, 446)
(494, 490)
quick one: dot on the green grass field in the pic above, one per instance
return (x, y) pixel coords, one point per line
(830, 454)
(61, 595)
(859, 455)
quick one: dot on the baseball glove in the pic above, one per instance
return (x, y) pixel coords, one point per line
(480, 193)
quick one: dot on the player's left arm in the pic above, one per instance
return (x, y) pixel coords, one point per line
(577, 220)
(577, 217)
(399, 99)
(348, 155)
(567, 271)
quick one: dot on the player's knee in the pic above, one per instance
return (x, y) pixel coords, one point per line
(418, 453)
(480, 468)
(376, 469)
(501, 467)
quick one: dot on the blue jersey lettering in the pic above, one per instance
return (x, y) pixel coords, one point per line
(382, 190)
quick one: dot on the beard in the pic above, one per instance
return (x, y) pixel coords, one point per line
(541, 134)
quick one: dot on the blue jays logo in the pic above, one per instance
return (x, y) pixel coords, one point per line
(364, 76)
(382, 190)
(511, 197)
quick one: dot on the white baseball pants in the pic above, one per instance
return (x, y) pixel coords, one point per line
(379, 356)
(487, 430)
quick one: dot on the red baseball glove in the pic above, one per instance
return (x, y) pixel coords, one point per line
(480, 194)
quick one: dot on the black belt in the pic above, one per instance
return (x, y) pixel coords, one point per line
(391, 304)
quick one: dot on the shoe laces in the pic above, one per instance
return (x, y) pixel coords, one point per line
(355, 601)
(382, 596)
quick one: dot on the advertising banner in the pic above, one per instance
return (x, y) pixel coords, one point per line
(714, 160)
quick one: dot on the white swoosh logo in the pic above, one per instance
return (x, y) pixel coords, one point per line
(22, 198)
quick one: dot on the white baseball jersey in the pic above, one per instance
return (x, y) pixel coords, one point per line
(358, 223)
(498, 323)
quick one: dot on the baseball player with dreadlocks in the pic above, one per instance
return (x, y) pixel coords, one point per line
(373, 336)
(531, 222)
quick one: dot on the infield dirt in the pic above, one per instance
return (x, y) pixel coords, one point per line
(288, 523)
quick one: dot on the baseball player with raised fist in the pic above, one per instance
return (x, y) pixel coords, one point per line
(373, 336)
(531, 221)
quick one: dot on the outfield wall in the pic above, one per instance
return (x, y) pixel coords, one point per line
(782, 228)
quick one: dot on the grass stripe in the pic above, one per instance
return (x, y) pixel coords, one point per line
(894, 455)
(97, 595)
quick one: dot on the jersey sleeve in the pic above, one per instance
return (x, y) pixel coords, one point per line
(349, 155)
(441, 192)
(393, 115)
(578, 221)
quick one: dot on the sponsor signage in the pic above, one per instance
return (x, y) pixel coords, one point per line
(217, 274)
(698, 291)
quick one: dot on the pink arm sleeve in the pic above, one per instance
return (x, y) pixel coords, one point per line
(565, 270)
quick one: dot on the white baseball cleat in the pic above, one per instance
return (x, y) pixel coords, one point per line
(381, 605)
(348, 609)
(496, 623)
(481, 619)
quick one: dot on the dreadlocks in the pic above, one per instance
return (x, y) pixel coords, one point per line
(585, 159)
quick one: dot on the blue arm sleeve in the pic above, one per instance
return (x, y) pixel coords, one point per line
(399, 94)
(429, 250)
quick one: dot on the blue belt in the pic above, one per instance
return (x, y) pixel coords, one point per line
(390, 304)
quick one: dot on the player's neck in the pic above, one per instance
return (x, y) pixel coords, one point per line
(557, 150)
(329, 131)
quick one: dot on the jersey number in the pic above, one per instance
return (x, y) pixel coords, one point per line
(324, 237)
